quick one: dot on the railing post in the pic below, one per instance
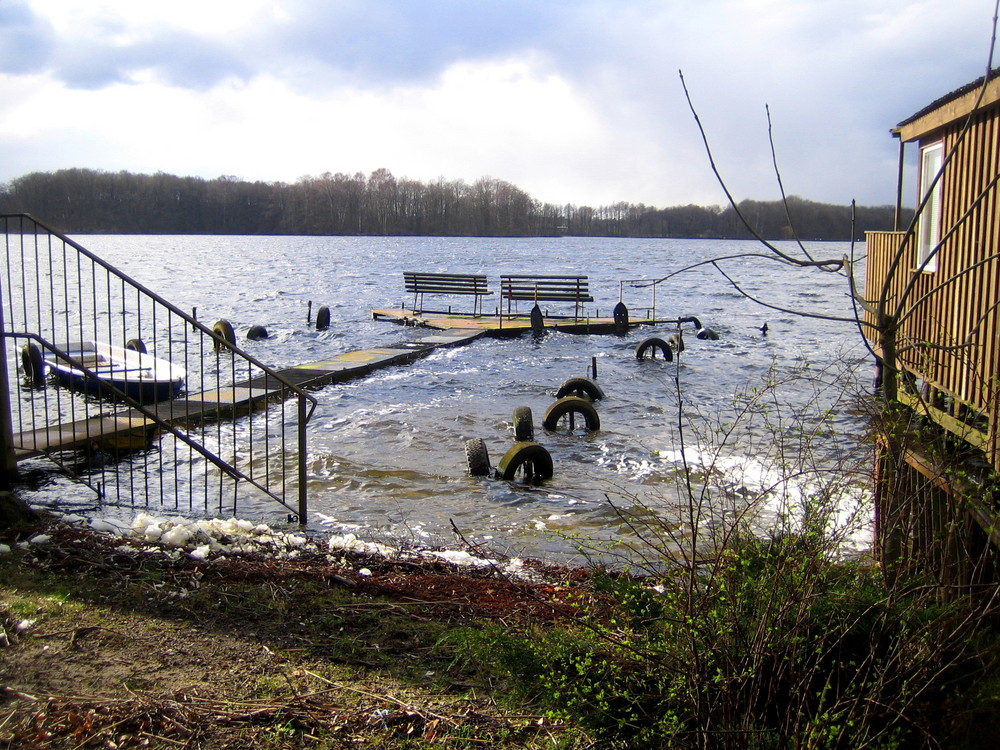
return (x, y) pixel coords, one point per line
(8, 464)
(303, 443)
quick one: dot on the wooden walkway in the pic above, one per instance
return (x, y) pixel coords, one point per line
(132, 429)
(497, 326)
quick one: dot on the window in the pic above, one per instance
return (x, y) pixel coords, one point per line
(929, 229)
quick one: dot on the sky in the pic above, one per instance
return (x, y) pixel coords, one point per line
(574, 101)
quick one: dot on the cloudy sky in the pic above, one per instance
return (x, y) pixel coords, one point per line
(575, 101)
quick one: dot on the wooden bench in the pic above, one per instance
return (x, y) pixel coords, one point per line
(573, 289)
(419, 284)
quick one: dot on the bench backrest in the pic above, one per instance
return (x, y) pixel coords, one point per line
(445, 283)
(547, 288)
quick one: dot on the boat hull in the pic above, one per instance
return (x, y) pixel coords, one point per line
(140, 376)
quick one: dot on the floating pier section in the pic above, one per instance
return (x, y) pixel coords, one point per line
(130, 429)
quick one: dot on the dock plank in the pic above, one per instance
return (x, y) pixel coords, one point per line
(124, 429)
(502, 326)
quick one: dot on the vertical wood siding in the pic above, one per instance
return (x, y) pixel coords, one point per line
(953, 310)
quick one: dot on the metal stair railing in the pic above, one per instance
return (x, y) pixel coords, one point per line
(214, 448)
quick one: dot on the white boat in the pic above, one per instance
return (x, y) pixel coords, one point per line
(141, 376)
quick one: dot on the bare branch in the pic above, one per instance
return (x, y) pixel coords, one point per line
(827, 265)
(760, 302)
(781, 187)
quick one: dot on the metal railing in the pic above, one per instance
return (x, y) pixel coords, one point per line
(235, 434)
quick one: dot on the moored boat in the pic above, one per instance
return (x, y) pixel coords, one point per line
(138, 375)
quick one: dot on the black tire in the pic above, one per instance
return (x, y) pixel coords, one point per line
(477, 457)
(651, 346)
(570, 406)
(257, 333)
(582, 387)
(33, 364)
(621, 318)
(323, 318)
(136, 345)
(224, 332)
(531, 458)
(537, 321)
(524, 426)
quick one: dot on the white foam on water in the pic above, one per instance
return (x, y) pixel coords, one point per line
(782, 501)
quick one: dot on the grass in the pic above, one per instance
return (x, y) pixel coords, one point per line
(130, 649)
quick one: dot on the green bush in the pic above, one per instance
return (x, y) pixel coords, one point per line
(771, 645)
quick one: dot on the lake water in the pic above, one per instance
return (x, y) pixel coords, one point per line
(386, 452)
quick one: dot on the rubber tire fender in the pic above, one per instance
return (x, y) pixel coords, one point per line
(323, 318)
(621, 318)
(136, 345)
(571, 405)
(537, 321)
(535, 456)
(33, 364)
(581, 387)
(524, 426)
(652, 345)
(257, 333)
(477, 457)
(223, 331)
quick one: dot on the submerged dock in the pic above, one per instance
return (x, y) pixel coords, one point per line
(504, 325)
(129, 429)
(132, 428)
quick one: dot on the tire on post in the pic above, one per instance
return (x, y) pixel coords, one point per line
(570, 406)
(532, 459)
(651, 345)
(524, 426)
(477, 458)
(323, 318)
(224, 332)
(582, 387)
(33, 364)
(136, 345)
(257, 333)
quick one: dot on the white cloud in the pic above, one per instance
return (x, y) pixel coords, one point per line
(575, 102)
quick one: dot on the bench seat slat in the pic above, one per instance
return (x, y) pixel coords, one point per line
(445, 283)
(545, 288)
(419, 283)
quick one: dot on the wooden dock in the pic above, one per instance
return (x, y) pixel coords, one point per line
(502, 325)
(132, 428)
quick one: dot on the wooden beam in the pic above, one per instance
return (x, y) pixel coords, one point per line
(973, 436)
(949, 112)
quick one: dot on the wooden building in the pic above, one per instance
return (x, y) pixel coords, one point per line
(933, 293)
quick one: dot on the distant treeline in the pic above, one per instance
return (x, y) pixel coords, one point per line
(91, 201)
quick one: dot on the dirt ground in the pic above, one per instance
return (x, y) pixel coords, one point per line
(105, 644)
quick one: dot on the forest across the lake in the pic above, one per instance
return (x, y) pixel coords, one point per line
(95, 201)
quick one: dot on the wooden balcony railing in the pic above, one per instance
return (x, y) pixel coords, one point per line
(946, 336)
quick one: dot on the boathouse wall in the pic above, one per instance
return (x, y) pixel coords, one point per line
(945, 306)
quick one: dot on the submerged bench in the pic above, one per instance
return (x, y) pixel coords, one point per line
(419, 284)
(573, 289)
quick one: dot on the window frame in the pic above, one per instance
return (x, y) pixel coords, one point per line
(929, 223)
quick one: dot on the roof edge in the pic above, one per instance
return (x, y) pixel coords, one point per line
(962, 101)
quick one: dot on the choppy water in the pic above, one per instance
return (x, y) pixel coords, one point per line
(386, 452)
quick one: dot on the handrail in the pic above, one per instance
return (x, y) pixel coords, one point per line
(68, 291)
(121, 395)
